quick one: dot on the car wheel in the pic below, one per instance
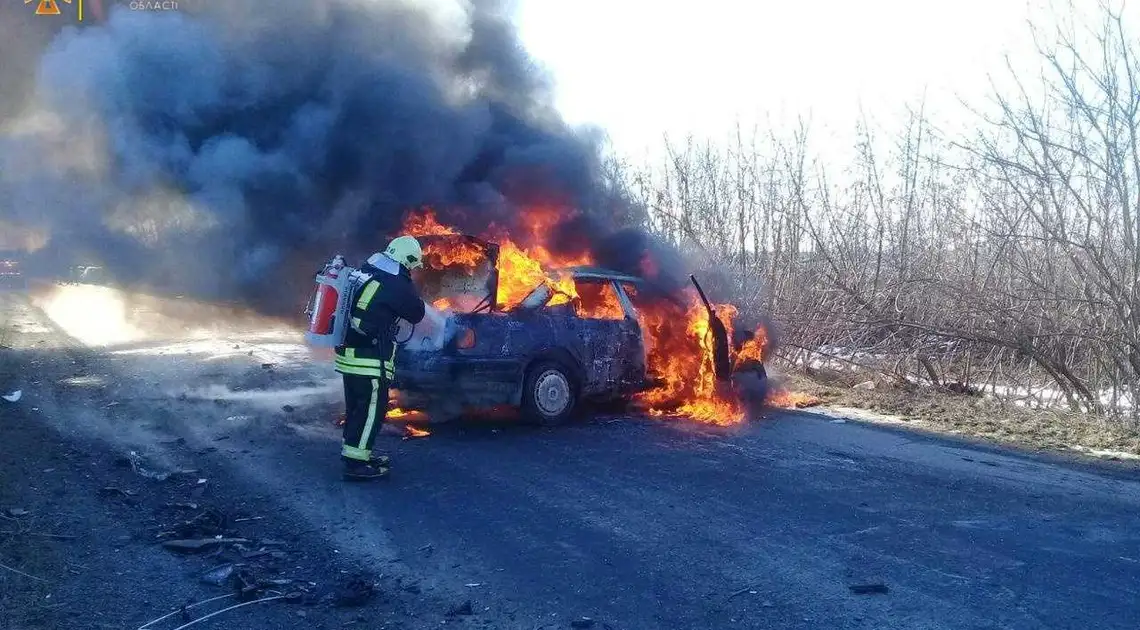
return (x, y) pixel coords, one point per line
(549, 395)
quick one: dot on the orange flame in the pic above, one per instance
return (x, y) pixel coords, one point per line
(411, 432)
(785, 399)
(425, 224)
(753, 349)
(682, 357)
(678, 344)
(444, 254)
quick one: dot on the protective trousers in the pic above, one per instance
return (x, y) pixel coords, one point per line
(366, 403)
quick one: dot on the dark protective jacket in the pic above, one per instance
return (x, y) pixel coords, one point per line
(369, 347)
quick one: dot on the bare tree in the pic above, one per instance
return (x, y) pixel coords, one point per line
(1006, 261)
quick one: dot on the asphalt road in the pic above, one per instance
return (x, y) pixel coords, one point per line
(648, 524)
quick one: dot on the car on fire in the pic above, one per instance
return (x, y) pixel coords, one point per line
(575, 337)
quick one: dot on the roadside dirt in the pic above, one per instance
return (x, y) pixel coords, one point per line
(974, 417)
(90, 526)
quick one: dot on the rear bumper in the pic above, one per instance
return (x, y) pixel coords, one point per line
(433, 380)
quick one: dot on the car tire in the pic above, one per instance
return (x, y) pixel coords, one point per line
(550, 394)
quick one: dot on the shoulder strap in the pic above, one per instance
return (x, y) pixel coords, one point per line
(387, 265)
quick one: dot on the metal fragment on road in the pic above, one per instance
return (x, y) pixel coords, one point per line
(200, 543)
(219, 575)
(136, 462)
(876, 588)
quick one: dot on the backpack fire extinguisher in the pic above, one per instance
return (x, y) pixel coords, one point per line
(330, 306)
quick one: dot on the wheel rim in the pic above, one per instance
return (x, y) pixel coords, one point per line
(552, 393)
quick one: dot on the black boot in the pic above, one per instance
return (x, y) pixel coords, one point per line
(355, 470)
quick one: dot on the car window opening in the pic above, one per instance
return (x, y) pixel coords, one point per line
(597, 300)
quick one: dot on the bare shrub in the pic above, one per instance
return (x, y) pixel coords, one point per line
(1006, 261)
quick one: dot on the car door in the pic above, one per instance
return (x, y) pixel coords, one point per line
(633, 341)
(601, 325)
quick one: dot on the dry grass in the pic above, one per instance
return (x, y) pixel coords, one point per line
(975, 417)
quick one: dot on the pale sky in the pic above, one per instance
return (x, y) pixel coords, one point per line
(639, 68)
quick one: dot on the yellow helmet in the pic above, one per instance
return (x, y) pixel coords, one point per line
(406, 251)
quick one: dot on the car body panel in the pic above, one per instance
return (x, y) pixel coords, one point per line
(607, 356)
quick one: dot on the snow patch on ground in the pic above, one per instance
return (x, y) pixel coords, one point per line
(853, 413)
(1039, 396)
(1105, 453)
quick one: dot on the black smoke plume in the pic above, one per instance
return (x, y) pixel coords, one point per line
(224, 150)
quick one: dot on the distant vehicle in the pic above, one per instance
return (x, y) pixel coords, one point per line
(544, 356)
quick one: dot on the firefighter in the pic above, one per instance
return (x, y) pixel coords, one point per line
(367, 358)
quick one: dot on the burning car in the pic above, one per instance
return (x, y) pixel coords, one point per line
(544, 341)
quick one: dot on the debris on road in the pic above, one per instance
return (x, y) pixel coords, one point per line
(13, 396)
(200, 544)
(186, 615)
(207, 523)
(356, 591)
(137, 464)
(39, 535)
(751, 590)
(218, 576)
(19, 572)
(464, 609)
(111, 491)
(874, 588)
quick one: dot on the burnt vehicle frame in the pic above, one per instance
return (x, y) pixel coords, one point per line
(540, 357)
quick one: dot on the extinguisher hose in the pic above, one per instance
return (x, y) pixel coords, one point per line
(411, 333)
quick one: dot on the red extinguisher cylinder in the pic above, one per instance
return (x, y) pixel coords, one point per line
(324, 306)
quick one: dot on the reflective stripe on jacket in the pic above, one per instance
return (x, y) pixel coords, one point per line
(365, 362)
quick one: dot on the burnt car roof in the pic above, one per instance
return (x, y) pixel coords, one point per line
(579, 271)
(601, 273)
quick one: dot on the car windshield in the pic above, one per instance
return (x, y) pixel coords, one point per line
(591, 298)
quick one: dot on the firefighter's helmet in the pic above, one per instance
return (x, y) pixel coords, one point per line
(406, 251)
